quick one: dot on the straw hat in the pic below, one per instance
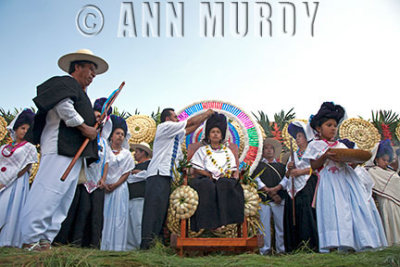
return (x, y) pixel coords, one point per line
(143, 146)
(276, 144)
(83, 54)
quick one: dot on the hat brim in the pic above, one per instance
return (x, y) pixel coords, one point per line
(276, 144)
(142, 147)
(65, 61)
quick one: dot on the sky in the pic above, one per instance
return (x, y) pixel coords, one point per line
(352, 58)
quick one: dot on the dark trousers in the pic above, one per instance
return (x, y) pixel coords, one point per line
(89, 219)
(84, 222)
(156, 200)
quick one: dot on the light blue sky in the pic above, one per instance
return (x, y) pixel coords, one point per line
(353, 59)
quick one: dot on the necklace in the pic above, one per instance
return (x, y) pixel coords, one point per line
(228, 172)
(10, 148)
(300, 153)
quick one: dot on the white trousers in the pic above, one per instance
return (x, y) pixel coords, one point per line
(265, 216)
(49, 199)
(135, 223)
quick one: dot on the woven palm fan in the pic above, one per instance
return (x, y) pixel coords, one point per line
(142, 128)
(34, 170)
(286, 136)
(398, 131)
(242, 130)
(174, 225)
(3, 128)
(361, 132)
(264, 136)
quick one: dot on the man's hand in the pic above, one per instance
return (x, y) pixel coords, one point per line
(290, 165)
(209, 112)
(88, 131)
(296, 172)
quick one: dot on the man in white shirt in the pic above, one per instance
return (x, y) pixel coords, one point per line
(169, 136)
(65, 118)
(271, 182)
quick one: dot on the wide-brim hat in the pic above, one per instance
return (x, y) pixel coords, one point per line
(143, 146)
(276, 144)
(83, 54)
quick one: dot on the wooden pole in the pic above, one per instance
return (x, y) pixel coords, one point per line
(85, 143)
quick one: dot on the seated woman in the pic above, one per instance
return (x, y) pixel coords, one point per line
(221, 199)
(387, 190)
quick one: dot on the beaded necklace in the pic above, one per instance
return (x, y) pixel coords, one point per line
(300, 154)
(228, 172)
(10, 148)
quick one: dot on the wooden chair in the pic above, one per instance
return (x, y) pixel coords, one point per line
(240, 243)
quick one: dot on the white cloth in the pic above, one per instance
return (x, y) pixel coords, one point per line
(344, 218)
(299, 181)
(387, 190)
(202, 161)
(277, 211)
(49, 199)
(95, 170)
(11, 166)
(11, 202)
(65, 111)
(134, 236)
(166, 147)
(115, 227)
(138, 177)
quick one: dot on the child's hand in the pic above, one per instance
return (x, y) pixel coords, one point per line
(277, 199)
(332, 156)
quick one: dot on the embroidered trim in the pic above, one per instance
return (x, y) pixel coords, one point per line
(174, 153)
(13, 148)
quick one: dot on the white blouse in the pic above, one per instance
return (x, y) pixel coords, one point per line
(202, 161)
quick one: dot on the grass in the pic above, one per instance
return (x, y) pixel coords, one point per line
(164, 256)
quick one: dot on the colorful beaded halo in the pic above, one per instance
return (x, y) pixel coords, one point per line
(142, 129)
(361, 132)
(242, 130)
(286, 136)
(3, 128)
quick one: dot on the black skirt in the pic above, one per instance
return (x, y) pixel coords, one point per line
(305, 231)
(221, 202)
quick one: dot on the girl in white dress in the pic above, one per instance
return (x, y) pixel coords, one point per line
(15, 161)
(114, 236)
(344, 219)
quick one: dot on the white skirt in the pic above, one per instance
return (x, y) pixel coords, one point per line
(12, 199)
(115, 228)
(344, 218)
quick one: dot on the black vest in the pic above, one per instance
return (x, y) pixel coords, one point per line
(138, 189)
(269, 177)
(49, 94)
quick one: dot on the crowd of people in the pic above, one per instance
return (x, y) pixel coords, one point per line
(112, 200)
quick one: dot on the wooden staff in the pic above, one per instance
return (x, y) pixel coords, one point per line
(293, 201)
(106, 107)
